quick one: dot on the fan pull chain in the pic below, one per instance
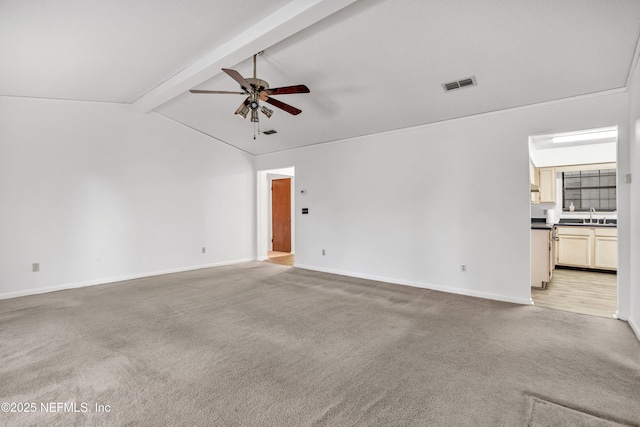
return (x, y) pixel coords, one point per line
(254, 129)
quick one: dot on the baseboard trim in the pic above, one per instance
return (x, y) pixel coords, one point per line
(634, 327)
(459, 291)
(8, 295)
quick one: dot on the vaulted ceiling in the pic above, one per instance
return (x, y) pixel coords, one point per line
(371, 65)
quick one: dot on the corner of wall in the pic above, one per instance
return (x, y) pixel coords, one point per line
(635, 327)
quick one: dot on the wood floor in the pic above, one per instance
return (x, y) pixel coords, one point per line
(578, 291)
(282, 258)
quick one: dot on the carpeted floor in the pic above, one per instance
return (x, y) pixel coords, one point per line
(260, 344)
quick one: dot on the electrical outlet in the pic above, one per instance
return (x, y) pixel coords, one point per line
(35, 267)
(463, 268)
(204, 250)
(323, 252)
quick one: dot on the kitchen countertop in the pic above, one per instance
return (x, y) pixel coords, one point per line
(540, 224)
(570, 224)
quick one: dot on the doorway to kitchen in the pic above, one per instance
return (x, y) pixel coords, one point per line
(574, 240)
(275, 216)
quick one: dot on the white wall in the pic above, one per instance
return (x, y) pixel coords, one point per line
(95, 192)
(634, 160)
(411, 206)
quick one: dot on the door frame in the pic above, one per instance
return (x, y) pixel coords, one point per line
(263, 209)
(619, 180)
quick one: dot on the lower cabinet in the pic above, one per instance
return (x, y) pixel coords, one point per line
(605, 254)
(541, 259)
(588, 247)
(574, 246)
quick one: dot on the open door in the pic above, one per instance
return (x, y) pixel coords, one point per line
(281, 214)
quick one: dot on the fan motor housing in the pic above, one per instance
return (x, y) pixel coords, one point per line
(257, 83)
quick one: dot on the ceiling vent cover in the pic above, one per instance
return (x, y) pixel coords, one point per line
(270, 132)
(459, 84)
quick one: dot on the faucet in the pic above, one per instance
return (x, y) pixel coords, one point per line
(592, 210)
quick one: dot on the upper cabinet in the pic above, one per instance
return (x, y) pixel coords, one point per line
(533, 181)
(547, 177)
(543, 184)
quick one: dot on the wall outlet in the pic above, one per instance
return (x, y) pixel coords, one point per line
(35, 267)
(463, 268)
(204, 250)
(323, 252)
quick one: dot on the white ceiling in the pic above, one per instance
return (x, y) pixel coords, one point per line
(545, 153)
(372, 66)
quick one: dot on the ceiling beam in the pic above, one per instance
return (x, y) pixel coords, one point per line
(294, 17)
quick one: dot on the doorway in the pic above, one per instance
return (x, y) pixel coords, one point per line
(275, 216)
(574, 246)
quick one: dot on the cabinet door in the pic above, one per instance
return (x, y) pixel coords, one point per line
(547, 185)
(534, 179)
(574, 246)
(540, 250)
(606, 249)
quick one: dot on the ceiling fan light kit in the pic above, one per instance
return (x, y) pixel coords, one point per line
(267, 112)
(258, 90)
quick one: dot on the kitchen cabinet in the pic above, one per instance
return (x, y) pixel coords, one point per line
(533, 181)
(547, 185)
(588, 247)
(574, 246)
(544, 181)
(605, 253)
(541, 258)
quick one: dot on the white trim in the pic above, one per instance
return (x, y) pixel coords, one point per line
(634, 63)
(634, 327)
(36, 291)
(263, 209)
(448, 289)
(43, 98)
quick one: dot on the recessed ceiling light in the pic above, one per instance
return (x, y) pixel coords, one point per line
(588, 136)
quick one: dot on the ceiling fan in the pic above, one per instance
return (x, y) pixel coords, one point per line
(258, 90)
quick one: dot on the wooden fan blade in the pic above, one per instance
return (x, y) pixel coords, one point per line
(216, 91)
(237, 77)
(287, 90)
(286, 107)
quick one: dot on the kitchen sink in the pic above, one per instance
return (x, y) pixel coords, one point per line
(588, 222)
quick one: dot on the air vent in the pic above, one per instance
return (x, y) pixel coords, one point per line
(459, 84)
(451, 86)
(270, 132)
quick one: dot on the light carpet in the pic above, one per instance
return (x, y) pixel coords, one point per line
(260, 344)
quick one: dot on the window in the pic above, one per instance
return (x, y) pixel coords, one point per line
(589, 189)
